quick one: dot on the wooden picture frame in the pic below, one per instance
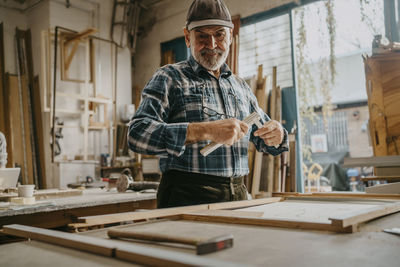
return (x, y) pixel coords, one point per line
(257, 212)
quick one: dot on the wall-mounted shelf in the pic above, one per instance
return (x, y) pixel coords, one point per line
(94, 110)
(83, 98)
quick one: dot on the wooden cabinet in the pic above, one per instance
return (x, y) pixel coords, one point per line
(383, 90)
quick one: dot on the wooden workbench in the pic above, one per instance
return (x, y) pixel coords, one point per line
(254, 245)
(58, 212)
(258, 246)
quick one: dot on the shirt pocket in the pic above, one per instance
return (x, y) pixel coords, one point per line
(212, 109)
(214, 106)
(192, 102)
(243, 107)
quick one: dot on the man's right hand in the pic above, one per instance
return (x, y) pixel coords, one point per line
(225, 132)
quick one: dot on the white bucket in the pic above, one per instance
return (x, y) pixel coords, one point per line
(26, 190)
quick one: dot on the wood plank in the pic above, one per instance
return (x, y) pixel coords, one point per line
(348, 195)
(380, 178)
(389, 171)
(283, 169)
(391, 97)
(366, 215)
(293, 224)
(14, 138)
(230, 213)
(377, 123)
(3, 97)
(141, 215)
(272, 111)
(243, 203)
(27, 129)
(390, 188)
(70, 56)
(84, 243)
(277, 160)
(63, 56)
(261, 95)
(292, 163)
(25, 85)
(92, 50)
(39, 133)
(5, 113)
(80, 35)
(120, 250)
(380, 161)
(255, 185)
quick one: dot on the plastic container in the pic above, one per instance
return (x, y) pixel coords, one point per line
(26, 190)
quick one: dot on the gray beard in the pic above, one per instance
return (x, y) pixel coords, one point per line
(211, 63)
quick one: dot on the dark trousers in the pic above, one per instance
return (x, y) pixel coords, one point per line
(179, 188)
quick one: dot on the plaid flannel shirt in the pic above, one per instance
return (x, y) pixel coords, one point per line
(178, 94)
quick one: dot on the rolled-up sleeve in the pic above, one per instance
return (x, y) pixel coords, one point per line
(259, 142)
(149, 130)
(262, 147)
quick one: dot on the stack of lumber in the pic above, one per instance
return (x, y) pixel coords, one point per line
(262, 96)
(21, 114)
(268, 173)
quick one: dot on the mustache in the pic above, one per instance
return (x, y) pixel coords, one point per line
(206, 51)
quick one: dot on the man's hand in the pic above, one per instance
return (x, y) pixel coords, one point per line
(271, 132)
(225, 132)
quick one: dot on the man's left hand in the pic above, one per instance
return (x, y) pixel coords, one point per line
(271, 132)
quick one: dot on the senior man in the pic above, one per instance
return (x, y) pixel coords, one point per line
(187, 105)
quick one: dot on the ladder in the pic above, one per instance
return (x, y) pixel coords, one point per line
(125, 23)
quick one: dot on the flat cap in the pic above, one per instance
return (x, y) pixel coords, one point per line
(208, 13)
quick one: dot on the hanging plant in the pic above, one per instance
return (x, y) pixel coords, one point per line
(304, 80)
(369, 10)
(308, 91)
(331, 24)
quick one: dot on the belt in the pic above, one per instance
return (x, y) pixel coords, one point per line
(193, 176)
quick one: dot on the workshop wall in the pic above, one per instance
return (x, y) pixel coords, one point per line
(11, 19)
(165, 21)
(79, 16)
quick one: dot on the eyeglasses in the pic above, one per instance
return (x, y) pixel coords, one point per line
(212, 112)
(204, 37)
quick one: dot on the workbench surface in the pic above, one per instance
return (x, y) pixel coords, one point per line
(89, 198)
(253, 245)
(56, 212)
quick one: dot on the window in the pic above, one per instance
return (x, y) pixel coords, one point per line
(268, 43)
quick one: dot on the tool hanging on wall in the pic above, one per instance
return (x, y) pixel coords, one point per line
(58, 135)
